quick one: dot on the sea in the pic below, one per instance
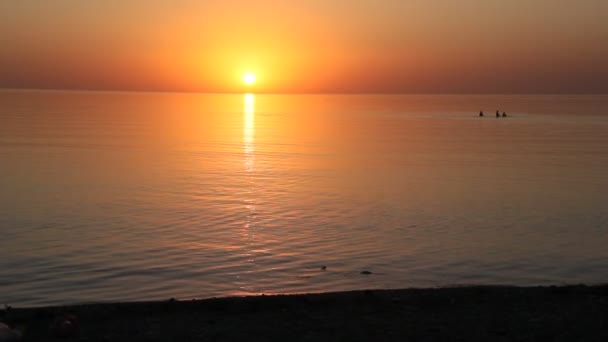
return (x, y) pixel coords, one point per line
(128, 196)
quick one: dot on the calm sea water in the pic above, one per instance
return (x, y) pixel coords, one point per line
(138, 196)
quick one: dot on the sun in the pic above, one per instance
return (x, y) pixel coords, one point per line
(249, 78)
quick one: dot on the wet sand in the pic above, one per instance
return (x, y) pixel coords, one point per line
(481, 313)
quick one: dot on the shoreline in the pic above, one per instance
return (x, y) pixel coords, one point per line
(467, 313)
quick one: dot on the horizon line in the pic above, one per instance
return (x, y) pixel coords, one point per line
(25, 89)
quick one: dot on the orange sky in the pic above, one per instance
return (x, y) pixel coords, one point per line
(415, 46)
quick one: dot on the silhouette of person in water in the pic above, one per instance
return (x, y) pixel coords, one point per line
(504, 114)
(497, 114)
(481, 113)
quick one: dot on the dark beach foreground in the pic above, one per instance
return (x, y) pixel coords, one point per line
(481, 313)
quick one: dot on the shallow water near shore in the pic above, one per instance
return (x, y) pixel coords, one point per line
(140, 196)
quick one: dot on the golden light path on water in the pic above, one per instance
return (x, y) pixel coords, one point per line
(249, 152)
(249, 131)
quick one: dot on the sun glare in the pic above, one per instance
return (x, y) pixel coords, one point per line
(249, 78)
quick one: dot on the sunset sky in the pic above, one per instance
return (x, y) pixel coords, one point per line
(343, 46)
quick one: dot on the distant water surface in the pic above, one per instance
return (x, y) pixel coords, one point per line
(138, 196)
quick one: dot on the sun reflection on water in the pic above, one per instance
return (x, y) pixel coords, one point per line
(249, 131)
(249, 152)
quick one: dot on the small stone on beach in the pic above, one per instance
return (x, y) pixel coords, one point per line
(65, 326)
(7, 334)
